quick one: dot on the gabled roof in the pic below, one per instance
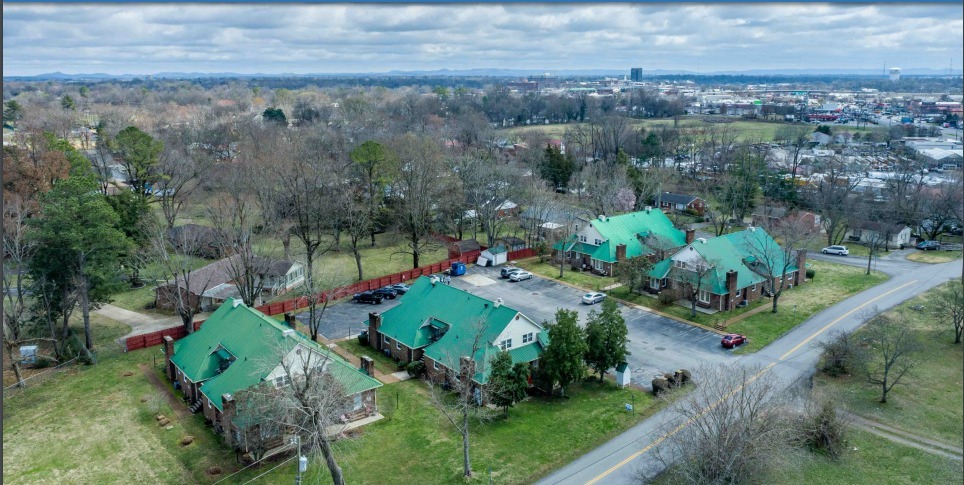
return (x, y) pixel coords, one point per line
(255, 341)
(732, 252)
(459, 313)
(629, 229)
(671, 198)
(497, 250)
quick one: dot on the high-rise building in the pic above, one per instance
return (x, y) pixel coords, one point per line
(636, 74)
(895, 74)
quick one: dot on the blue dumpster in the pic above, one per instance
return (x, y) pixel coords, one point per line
(458, 269)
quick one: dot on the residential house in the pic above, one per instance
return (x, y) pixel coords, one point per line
(239, 347)
(460, 248)
(884, 234)
(437, 324)
(725, 271)
(770, 216)
(604, 241)
(210, 286)
(669, 201)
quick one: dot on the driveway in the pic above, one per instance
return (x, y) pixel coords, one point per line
(657, 344)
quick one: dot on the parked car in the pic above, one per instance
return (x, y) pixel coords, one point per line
(838, 250)
(731, 340)
(367, 297)
(593, 298)
(386, 292)
(400, 288)
(928, 245)
(507, 271)
(520, 275)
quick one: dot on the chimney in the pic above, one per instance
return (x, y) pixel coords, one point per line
(235, 302)
(731, 289)
(368, 365)
(168, 353)
(228, 410)
(801, 267)
(602, 218)
(620, 253)
(374, 324)
(648, 209)
(290, 320)
(466, 369)
(690, 235)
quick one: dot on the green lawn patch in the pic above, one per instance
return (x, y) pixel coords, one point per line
(138, 300)
(832, 283)
(416, 445)
(872, 459)
(582, 279)
(928, 402)
(90, 424)
(933, 256)
(383, 363)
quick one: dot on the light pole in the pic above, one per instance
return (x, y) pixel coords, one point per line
(302, 461)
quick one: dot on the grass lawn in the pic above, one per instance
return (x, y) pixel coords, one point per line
(383, 363)
(416, 445)
(927, 402)
(91, 424)
(872, 459)
(831, 284)
(934, 256)
(585, 280)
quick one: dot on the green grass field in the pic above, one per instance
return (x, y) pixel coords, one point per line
(92, 424)
(748, 130)
(928, 402)
(934, 257)
(872, 459)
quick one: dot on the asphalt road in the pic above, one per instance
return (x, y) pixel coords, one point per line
(791, 358)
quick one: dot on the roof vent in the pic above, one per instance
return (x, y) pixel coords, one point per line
(235, 302)
(288, 332)
(752, 229)
(602, 218)
(701, 239)
(434, 279)
(498, 302)
(648, 209)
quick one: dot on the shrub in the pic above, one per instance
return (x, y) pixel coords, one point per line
(810, 274)
(416, 368)
(402, 364)
(363, 338)
(660, 385)
(42, 362)
(824, 431)
(666, 298)
(839, 354)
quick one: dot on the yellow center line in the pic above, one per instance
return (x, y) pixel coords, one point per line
(841, 317)
(740, 387)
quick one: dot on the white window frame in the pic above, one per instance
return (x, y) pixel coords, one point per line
(597, 264)
(599, 242)
(435, 364)
(654, 283)
(398, 345)
(526, 338)
(699, 296)
(387, 340)
(679, 263)
(506, 344)
(358, 402)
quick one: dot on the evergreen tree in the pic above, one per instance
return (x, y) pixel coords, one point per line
(508, 382)
(556, 167)
(606, 338)
(562, 361)
(79, 245)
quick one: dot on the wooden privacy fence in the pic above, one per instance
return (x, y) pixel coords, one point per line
(157, 338)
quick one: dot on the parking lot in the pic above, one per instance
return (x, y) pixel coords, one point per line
(657, 343)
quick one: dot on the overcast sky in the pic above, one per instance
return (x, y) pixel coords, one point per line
(144, 39)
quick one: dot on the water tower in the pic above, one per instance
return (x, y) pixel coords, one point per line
(895, 74)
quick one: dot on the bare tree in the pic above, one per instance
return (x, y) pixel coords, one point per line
(421, 179)
(174, 258)
(604, 182)
(259, 418)
(693, 277)
(235, 217)
(832, 197)
(488, 187)
(773, 260)
(948, 308)
(794, 139)
(180, 166)
(467, 405)
(356, 222)
(891, 352)
(737, 429)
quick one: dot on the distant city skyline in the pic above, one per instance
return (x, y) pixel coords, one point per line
(356, 38)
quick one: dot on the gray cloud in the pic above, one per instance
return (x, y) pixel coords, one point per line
(139, 39)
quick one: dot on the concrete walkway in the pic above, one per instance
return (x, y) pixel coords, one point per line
(140, 323)
(356, 361)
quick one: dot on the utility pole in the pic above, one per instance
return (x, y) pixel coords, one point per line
(302, 461)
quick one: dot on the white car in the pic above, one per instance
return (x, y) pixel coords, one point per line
(593, 298)
(520, 275)
(838, 250)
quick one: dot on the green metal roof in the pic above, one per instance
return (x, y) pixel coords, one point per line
(661, 269)
(498, 250)
(442, 306)
(733, 252)
(627, 229)
(526, 353)
(254, 340)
